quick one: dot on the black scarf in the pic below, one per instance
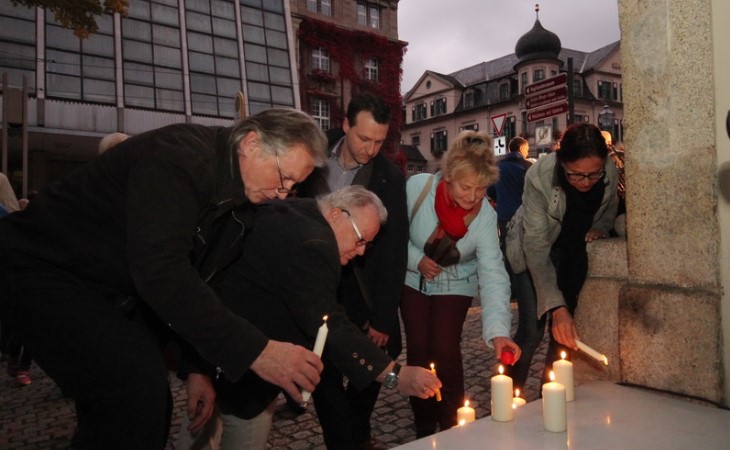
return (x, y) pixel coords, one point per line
(577, 221)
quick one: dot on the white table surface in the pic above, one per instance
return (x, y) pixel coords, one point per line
(603, 416)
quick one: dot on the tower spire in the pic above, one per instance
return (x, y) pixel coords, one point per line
(537, 11)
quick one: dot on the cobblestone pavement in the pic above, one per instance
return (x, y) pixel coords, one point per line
(39, 417)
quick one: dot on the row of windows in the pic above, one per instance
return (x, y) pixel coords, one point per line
(321, 61)
(152, 56)
(368, 14)
(438, 108)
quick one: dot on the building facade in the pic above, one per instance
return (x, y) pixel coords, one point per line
(494, 96)
(167, 61)
(345, 47)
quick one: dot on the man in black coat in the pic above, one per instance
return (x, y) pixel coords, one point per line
(371, 284)
(106, 263)
(285, 282)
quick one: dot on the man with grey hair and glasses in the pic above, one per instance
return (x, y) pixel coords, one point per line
(285, 282)
(108, 263)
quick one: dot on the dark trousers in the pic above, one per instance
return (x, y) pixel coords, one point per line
(344, 412)
(530, 329)
(433, 325)
(110, 363)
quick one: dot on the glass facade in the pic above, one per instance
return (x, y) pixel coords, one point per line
(153, 37)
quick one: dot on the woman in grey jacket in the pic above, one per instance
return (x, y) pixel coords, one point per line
(569, 199)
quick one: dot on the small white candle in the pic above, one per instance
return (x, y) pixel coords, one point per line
(518, 401)
(502, 397)
(465, 414)
(592, 353)
(317, 350)
(554, 406)
(564, 375)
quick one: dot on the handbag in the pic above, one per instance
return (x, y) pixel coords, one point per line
(513, 243)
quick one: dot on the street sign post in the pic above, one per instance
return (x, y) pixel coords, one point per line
(498, 123)
(550, 111)
(545, 98)
(546, 84)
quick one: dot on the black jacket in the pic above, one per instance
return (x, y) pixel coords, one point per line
(143, 221)
(384, 265)
(284, 283)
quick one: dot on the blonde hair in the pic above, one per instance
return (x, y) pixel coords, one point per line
(471, 153)
(110, 140)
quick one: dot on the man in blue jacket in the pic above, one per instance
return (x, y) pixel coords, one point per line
(105, 264)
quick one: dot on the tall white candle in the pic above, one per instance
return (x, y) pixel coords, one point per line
(502, 397)
(438, 391)
(518, 401)
(317, 350)
(592, 353)
(564, 375)
(554, 406)
(465, 414)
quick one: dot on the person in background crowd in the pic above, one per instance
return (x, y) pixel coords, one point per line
(569, 200)
(107, 263)
(371, 284)
(453, 256)
(110, 140)
(7, 195)
(284, 283)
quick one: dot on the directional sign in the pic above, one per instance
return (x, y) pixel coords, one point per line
(500, 146)
(546, 84)
(554, 110)
(545, 98)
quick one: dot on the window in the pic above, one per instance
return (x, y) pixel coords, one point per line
(321, 59)
(504, 91)
(577, 88)
(614, 91)
(523, 82)
(368, 15)
(416, 140)
(321, 113)
(418, 112)
(509, 129)
(469, 99)
(323, 7)
(370, 69)
(438, 143)
(604, 90)
(472, 126)
(538, 75)
(438, 107)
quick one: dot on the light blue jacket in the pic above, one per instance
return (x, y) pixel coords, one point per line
(480, 269)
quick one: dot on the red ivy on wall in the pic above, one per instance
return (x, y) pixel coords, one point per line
(349, 48)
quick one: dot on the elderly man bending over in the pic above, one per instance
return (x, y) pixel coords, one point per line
(284, 283)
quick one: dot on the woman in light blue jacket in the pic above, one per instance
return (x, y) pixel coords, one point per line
(453, 256)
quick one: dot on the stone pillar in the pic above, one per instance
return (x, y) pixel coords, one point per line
(669, 313)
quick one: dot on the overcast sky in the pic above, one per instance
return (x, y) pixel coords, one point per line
(446, 36)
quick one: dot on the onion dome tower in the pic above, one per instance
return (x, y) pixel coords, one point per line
(538, 43)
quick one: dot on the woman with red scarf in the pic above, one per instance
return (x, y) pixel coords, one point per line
(453, 256)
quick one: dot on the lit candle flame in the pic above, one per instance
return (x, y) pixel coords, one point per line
(433, 366)
(462, 422)
(563, 355)
(466, 402)
(552, 376)
(324, 318)
(501, 369)
(517, 392)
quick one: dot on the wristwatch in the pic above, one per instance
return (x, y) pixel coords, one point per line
(391, 379)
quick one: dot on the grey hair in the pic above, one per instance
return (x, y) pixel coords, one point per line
(110, 140)
(280, 128)
(352, 198)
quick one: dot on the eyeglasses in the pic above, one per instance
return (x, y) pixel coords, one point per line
(578, 177)
(282, 189)
(361, 241)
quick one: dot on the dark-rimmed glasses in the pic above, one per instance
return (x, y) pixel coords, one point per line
(361, 241)
(282, 189)
(578, 177)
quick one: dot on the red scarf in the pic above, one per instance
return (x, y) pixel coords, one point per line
(452, 217)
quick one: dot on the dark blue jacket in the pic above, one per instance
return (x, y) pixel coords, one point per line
(508, 190)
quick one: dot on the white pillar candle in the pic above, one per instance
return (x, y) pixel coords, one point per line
(554, 406)
(502, 397)
(465, 414)
(592, 353)
(317, 350)
(564, 375)
(518, 401)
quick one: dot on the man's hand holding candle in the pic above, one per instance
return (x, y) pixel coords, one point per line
(414, 381)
